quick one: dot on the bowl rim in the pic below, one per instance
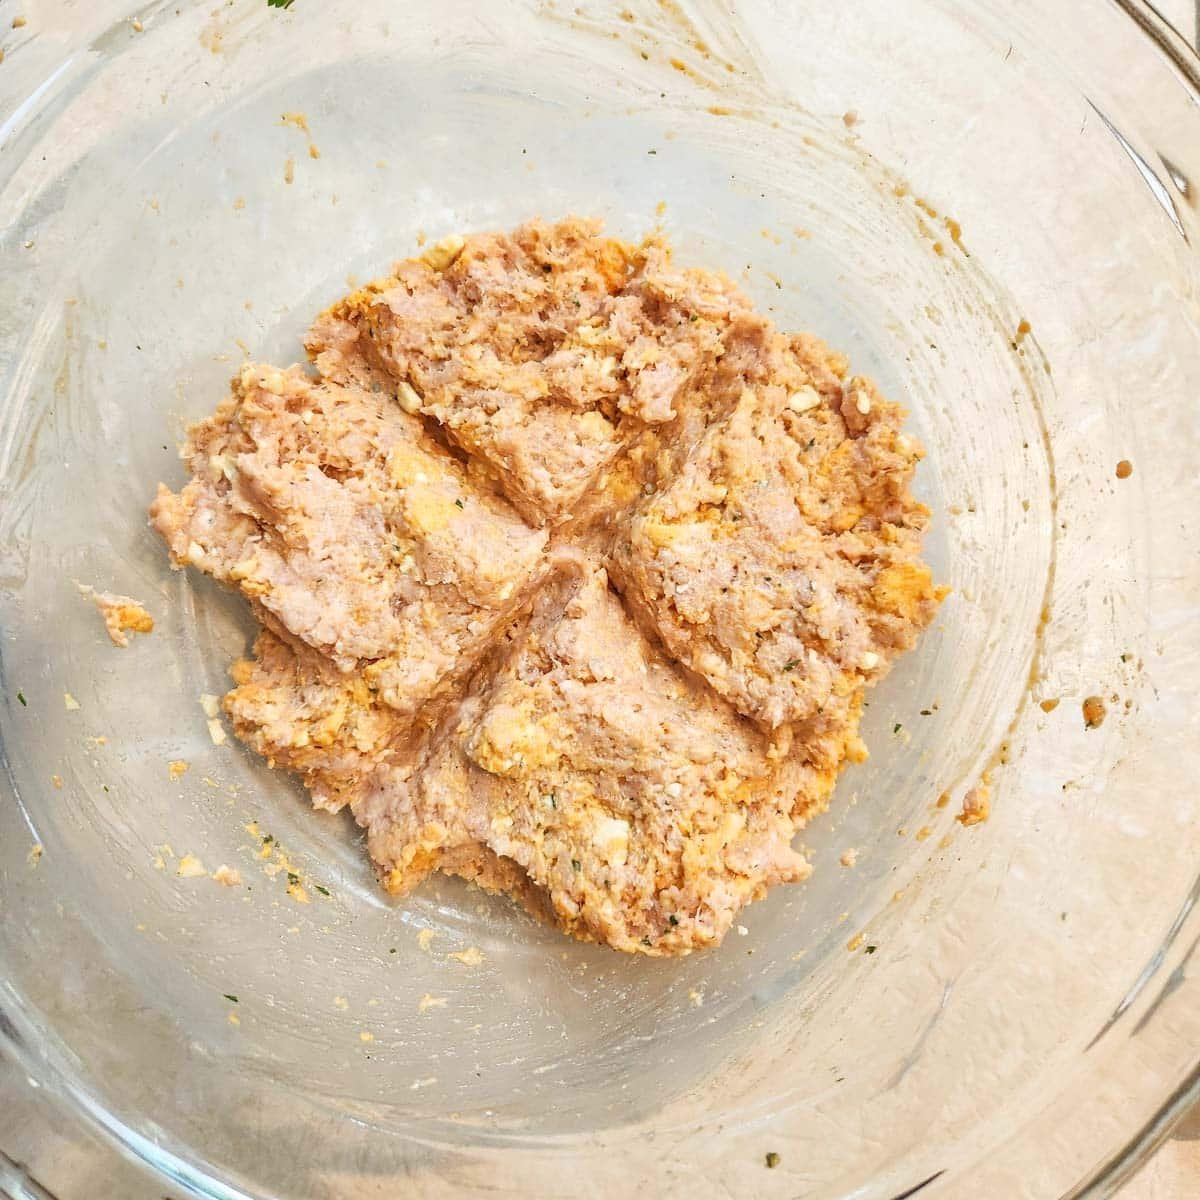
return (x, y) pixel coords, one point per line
(23, 1045)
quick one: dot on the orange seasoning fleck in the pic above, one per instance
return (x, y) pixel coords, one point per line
(976, 807)
(1124, 469)
(1048, 706)
(1094, 712)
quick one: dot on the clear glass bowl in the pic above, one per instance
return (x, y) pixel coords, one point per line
(991, 206)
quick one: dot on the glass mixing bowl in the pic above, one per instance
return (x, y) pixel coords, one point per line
(991, 206)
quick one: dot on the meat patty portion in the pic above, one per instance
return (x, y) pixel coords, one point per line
(780, 563)
(541, 352)
(644, 807)
(573, 571)
(351, 530)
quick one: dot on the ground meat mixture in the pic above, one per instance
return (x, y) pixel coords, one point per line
(572, 572)
(121, 615)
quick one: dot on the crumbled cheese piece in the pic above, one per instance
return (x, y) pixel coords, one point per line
(227, 876)
(35, 854)
(216, 731)
(407, 397)
(471, 957)
(177, 767)
(70, 703)
(612, 840)
(442, 253)
(803, 400)
(849, 857)
(425, 937)
(366, 1036)
(869, 661)
(341, 1002)
(427, 1002)
(210, 703)
(190, 867)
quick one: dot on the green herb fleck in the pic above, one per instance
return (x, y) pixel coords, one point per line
(392, 950)
(651, 151)
(871, 949)
(673, 919)
(279, 3)
(553, 800)
(927, 712)
(268, 838)
(897, 727)
(646, 941)
(811, 443)
(293, 878)
(458, 504)
(323, 890)
(791, 666)
(576, 865)
(21, 697)
(231, 999)
(772, 1160)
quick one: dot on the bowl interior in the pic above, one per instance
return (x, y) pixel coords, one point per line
(1006, 274)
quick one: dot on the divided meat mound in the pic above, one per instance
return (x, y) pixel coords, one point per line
(572, 572)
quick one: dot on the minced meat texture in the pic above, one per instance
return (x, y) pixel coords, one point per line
(573, 572)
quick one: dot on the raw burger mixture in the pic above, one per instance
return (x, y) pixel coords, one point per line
(572, 572)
